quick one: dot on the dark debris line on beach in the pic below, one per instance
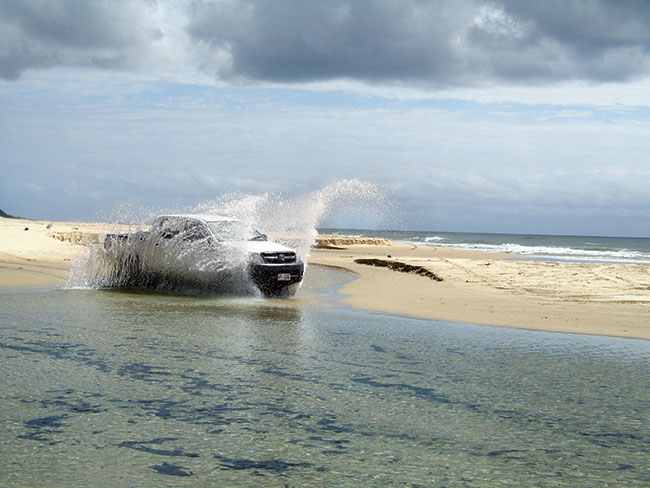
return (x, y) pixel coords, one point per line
(399, 266)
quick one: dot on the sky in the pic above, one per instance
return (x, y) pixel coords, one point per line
(470, 116)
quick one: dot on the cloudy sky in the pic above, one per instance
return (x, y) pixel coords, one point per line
(487, 116)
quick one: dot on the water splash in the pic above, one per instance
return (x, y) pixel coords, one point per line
(291, 221)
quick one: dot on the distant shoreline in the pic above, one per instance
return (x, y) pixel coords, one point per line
(550, 247)
(477, 287)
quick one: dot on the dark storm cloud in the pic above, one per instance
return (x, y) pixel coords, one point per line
(428, 43)
(599, 40)
(304, 41)
(47, 33)
(431, 42)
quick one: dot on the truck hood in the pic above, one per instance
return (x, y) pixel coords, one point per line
(266, 246)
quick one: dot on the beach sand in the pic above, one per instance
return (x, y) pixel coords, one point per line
(40, 253)
(477, 288)
(494, 289)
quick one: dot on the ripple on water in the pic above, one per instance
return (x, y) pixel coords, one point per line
(199, 391)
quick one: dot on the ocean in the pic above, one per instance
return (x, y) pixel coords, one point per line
(560, 248)
(121, 389)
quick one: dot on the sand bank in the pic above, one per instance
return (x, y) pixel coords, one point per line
(478, 288)
(41, 252)
(493, 289)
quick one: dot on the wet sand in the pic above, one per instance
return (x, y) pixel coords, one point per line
(494, 289)
(478, 288)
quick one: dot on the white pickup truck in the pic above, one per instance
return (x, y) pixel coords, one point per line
(205, 251)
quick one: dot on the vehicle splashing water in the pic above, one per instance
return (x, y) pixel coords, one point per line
(171, 256)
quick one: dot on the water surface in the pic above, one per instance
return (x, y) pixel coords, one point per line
(125, 389)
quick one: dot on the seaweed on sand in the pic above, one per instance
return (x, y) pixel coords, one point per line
(399, 266)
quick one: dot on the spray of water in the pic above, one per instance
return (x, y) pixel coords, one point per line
(291, 221)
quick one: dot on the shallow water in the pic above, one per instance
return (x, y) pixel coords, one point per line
(124, 389)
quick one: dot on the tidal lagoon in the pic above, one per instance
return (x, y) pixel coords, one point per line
(115, 388)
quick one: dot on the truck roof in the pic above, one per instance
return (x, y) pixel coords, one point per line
(205, 217)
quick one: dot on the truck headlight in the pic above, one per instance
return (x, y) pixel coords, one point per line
(255, 258)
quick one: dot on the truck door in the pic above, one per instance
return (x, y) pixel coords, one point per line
(166, 245)
(196, 252)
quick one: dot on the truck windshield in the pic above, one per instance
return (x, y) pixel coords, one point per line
(232, 230)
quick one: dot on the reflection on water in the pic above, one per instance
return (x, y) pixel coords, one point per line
(117, 389)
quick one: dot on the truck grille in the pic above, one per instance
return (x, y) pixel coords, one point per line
(279, 257)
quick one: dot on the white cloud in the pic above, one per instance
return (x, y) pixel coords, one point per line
(431, 45)
(515, 113)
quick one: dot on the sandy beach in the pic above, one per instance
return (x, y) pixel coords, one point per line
(495, 289)
(478, 288)
(40, 253)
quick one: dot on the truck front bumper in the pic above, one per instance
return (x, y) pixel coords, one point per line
(268, 277)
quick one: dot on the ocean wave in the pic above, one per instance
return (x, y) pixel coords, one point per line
(593, 254)
(420, 239)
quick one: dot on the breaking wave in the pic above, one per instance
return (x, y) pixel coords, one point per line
(567, 253)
